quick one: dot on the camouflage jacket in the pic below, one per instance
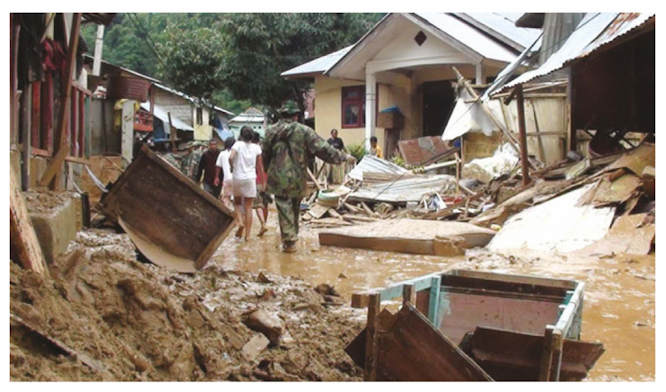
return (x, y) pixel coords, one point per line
(288, 148)
(190, 164)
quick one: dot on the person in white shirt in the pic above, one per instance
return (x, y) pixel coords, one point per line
(223, 164)
(243, 161)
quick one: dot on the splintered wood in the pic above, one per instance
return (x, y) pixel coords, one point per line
(23, 240)
(407, 347)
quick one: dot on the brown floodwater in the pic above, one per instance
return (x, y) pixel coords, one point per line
(619, 305)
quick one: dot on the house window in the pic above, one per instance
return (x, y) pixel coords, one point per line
(353, 106)
(199, 115)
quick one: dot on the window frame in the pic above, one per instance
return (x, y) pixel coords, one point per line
(360, 123)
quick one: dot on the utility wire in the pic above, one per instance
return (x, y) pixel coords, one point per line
(145, 31)
(145, 41)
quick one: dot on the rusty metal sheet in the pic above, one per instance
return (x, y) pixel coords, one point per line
(373, 164)
(512, 356)
(405, 189)
(424, 150)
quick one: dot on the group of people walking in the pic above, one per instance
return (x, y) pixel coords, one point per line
(249, 171)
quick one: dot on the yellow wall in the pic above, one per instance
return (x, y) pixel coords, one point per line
(394, 89)
(202, 131)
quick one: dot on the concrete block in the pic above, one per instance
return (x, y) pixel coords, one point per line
(54, 217)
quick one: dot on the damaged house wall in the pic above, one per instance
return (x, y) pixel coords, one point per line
(615, 89)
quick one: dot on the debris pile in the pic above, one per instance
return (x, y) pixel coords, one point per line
(600, 206)
(103, 315)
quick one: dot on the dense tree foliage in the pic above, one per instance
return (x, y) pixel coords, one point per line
(232, 60)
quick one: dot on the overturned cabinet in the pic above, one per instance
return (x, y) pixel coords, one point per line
(473, 326)
(171, 220)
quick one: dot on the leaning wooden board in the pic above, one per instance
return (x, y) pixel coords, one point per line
(167, 209)
(410, 236)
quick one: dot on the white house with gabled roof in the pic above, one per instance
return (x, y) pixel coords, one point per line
(406, 61)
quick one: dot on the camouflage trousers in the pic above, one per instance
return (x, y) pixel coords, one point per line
(288, 214)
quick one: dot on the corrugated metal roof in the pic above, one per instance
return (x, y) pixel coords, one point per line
(469, 36)
(373, 164)
(423, 150)
(403, 190)
(188, 97)
(161, 113)
(250, 115)
(594, 31)
(503, 27)
(318, 65)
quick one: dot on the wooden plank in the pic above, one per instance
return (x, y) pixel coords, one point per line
(413, 350)
(81, 129)
(408, 294)
(546, 354)
(61, 132)
(407, 236)
(23, 240)
(172, 134)
(25, 137)
(360, 300)
(370, 369)
(55, 165)
(73, 123)
(512, 140)
(13, 75)
(60, 346)
(523, 279)
(313, 179)
(513, 356)
(47, 112)
(79, 160)
(35, 114)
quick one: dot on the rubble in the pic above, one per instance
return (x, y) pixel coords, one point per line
(268, 324)
(142, 322)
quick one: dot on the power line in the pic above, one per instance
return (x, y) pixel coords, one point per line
(145, 31)
(144, 40)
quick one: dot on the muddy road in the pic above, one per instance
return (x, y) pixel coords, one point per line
(619, 296)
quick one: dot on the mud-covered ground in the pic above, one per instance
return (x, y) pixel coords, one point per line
(136, 321)
(619, 306)
(141, 322)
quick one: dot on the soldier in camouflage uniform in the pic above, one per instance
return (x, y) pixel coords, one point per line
(288, 149)
(190, 163)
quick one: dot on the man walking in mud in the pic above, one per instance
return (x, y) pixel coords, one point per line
(288, 149)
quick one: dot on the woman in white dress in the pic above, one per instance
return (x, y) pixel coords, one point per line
(243, 161)
(223, 164)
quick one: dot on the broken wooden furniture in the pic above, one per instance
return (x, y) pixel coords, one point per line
(513, 327)
(172, 221)
(410, 236)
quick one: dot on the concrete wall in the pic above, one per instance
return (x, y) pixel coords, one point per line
(395, 89)
(329, 109)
